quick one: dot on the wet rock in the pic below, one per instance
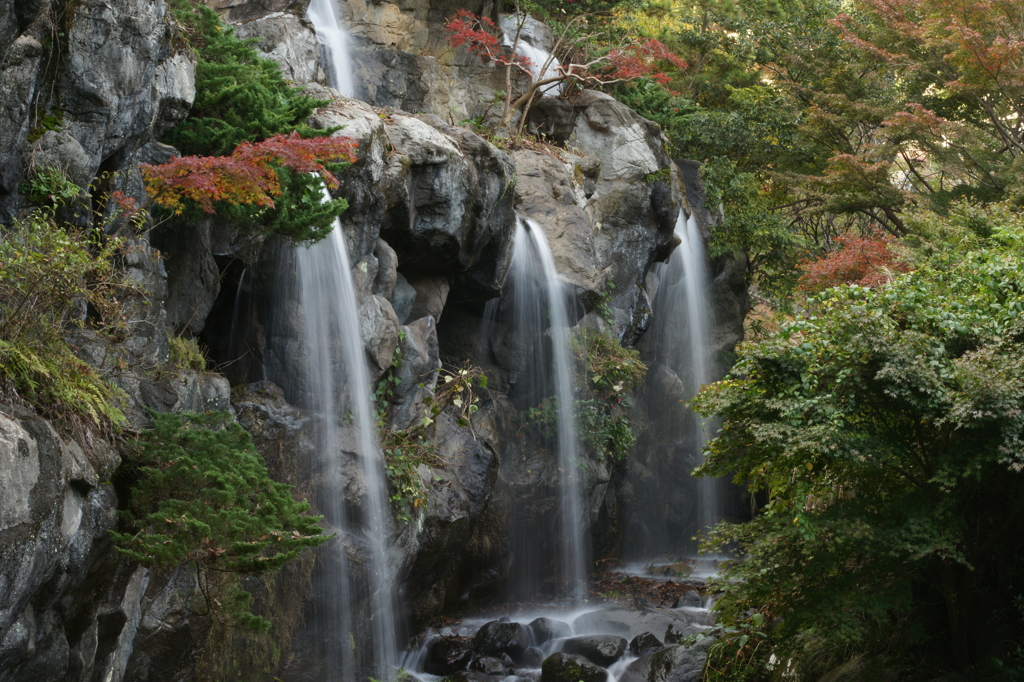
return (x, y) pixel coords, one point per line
(387, 274)
(489, 665)
(600, 649)
(501, 636)
(628, 623)
(691, 599)
(676, 664)
(469, 676)
(531, 658)
(448, 655)
(546, 629)
(563, 667)
(673, 635)
(644, 644)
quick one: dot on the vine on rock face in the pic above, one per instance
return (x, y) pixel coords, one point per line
(406, 449)
(203, 497)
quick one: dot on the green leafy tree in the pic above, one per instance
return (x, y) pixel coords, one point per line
(201, 496)
(885, 427)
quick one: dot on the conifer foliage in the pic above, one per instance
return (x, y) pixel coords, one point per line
(203, 497)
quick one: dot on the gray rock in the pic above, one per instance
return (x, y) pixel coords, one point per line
(448, 655)
(602, 650)
(489, 665)
(546, 629)
(531, 658)
(675, 664)
(628, 623)
(532, 31)
(403, 298)
(674, 635)
(431, 294)
(562, 667)
(501, 636)
(118, 84)
(287, 40)
(387, 275)
(691, 599)
(420, 360)
(645, 643)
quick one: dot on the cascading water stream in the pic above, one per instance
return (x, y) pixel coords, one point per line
(333, 41)
(327, 297)
(681, 361)
(540, 304)
(695, 284)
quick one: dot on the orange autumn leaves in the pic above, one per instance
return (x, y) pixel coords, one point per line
(248, 176)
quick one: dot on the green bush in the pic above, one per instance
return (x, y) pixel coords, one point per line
(50, 276)
(885, 426)
(202, 496)
(186, 354)
(240, 96)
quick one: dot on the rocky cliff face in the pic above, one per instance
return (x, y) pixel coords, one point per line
(90, 85)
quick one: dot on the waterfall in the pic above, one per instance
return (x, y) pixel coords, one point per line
(333, 41)
(338, 388)
(540, 324)
(695, 284)
(679, 353)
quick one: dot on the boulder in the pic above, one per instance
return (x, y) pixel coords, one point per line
(629, 623)
(531, 658)
(690, 600)
(546, 629)
(489, 665)
(600, 649)
(675, 664)
(645, 643)
(287, 40)
(448, 655)
(674, 635)
(563, 667)
(501, 636)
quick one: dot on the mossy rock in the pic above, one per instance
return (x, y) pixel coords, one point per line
(562, 667)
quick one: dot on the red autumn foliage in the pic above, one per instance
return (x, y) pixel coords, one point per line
(247, 176)
(479, 36)
(866, 261)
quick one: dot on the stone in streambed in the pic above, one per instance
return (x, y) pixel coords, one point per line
(600, 649)
(489, 665)
(448, 655)
(674, 635)
(531, 658)
(675, 664)
(468, 676)
(644, 644)
(563, 667)
(546, 629)
(501, 636)
(691, 600)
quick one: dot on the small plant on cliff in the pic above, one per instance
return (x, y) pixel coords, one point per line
(53, 280)
(202, 497)
(406, 449)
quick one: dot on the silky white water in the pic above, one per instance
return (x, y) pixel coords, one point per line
(537, 310)
(333, 41)
(695, 285)
(339, 391)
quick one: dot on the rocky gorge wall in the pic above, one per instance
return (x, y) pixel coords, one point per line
(89, 86)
